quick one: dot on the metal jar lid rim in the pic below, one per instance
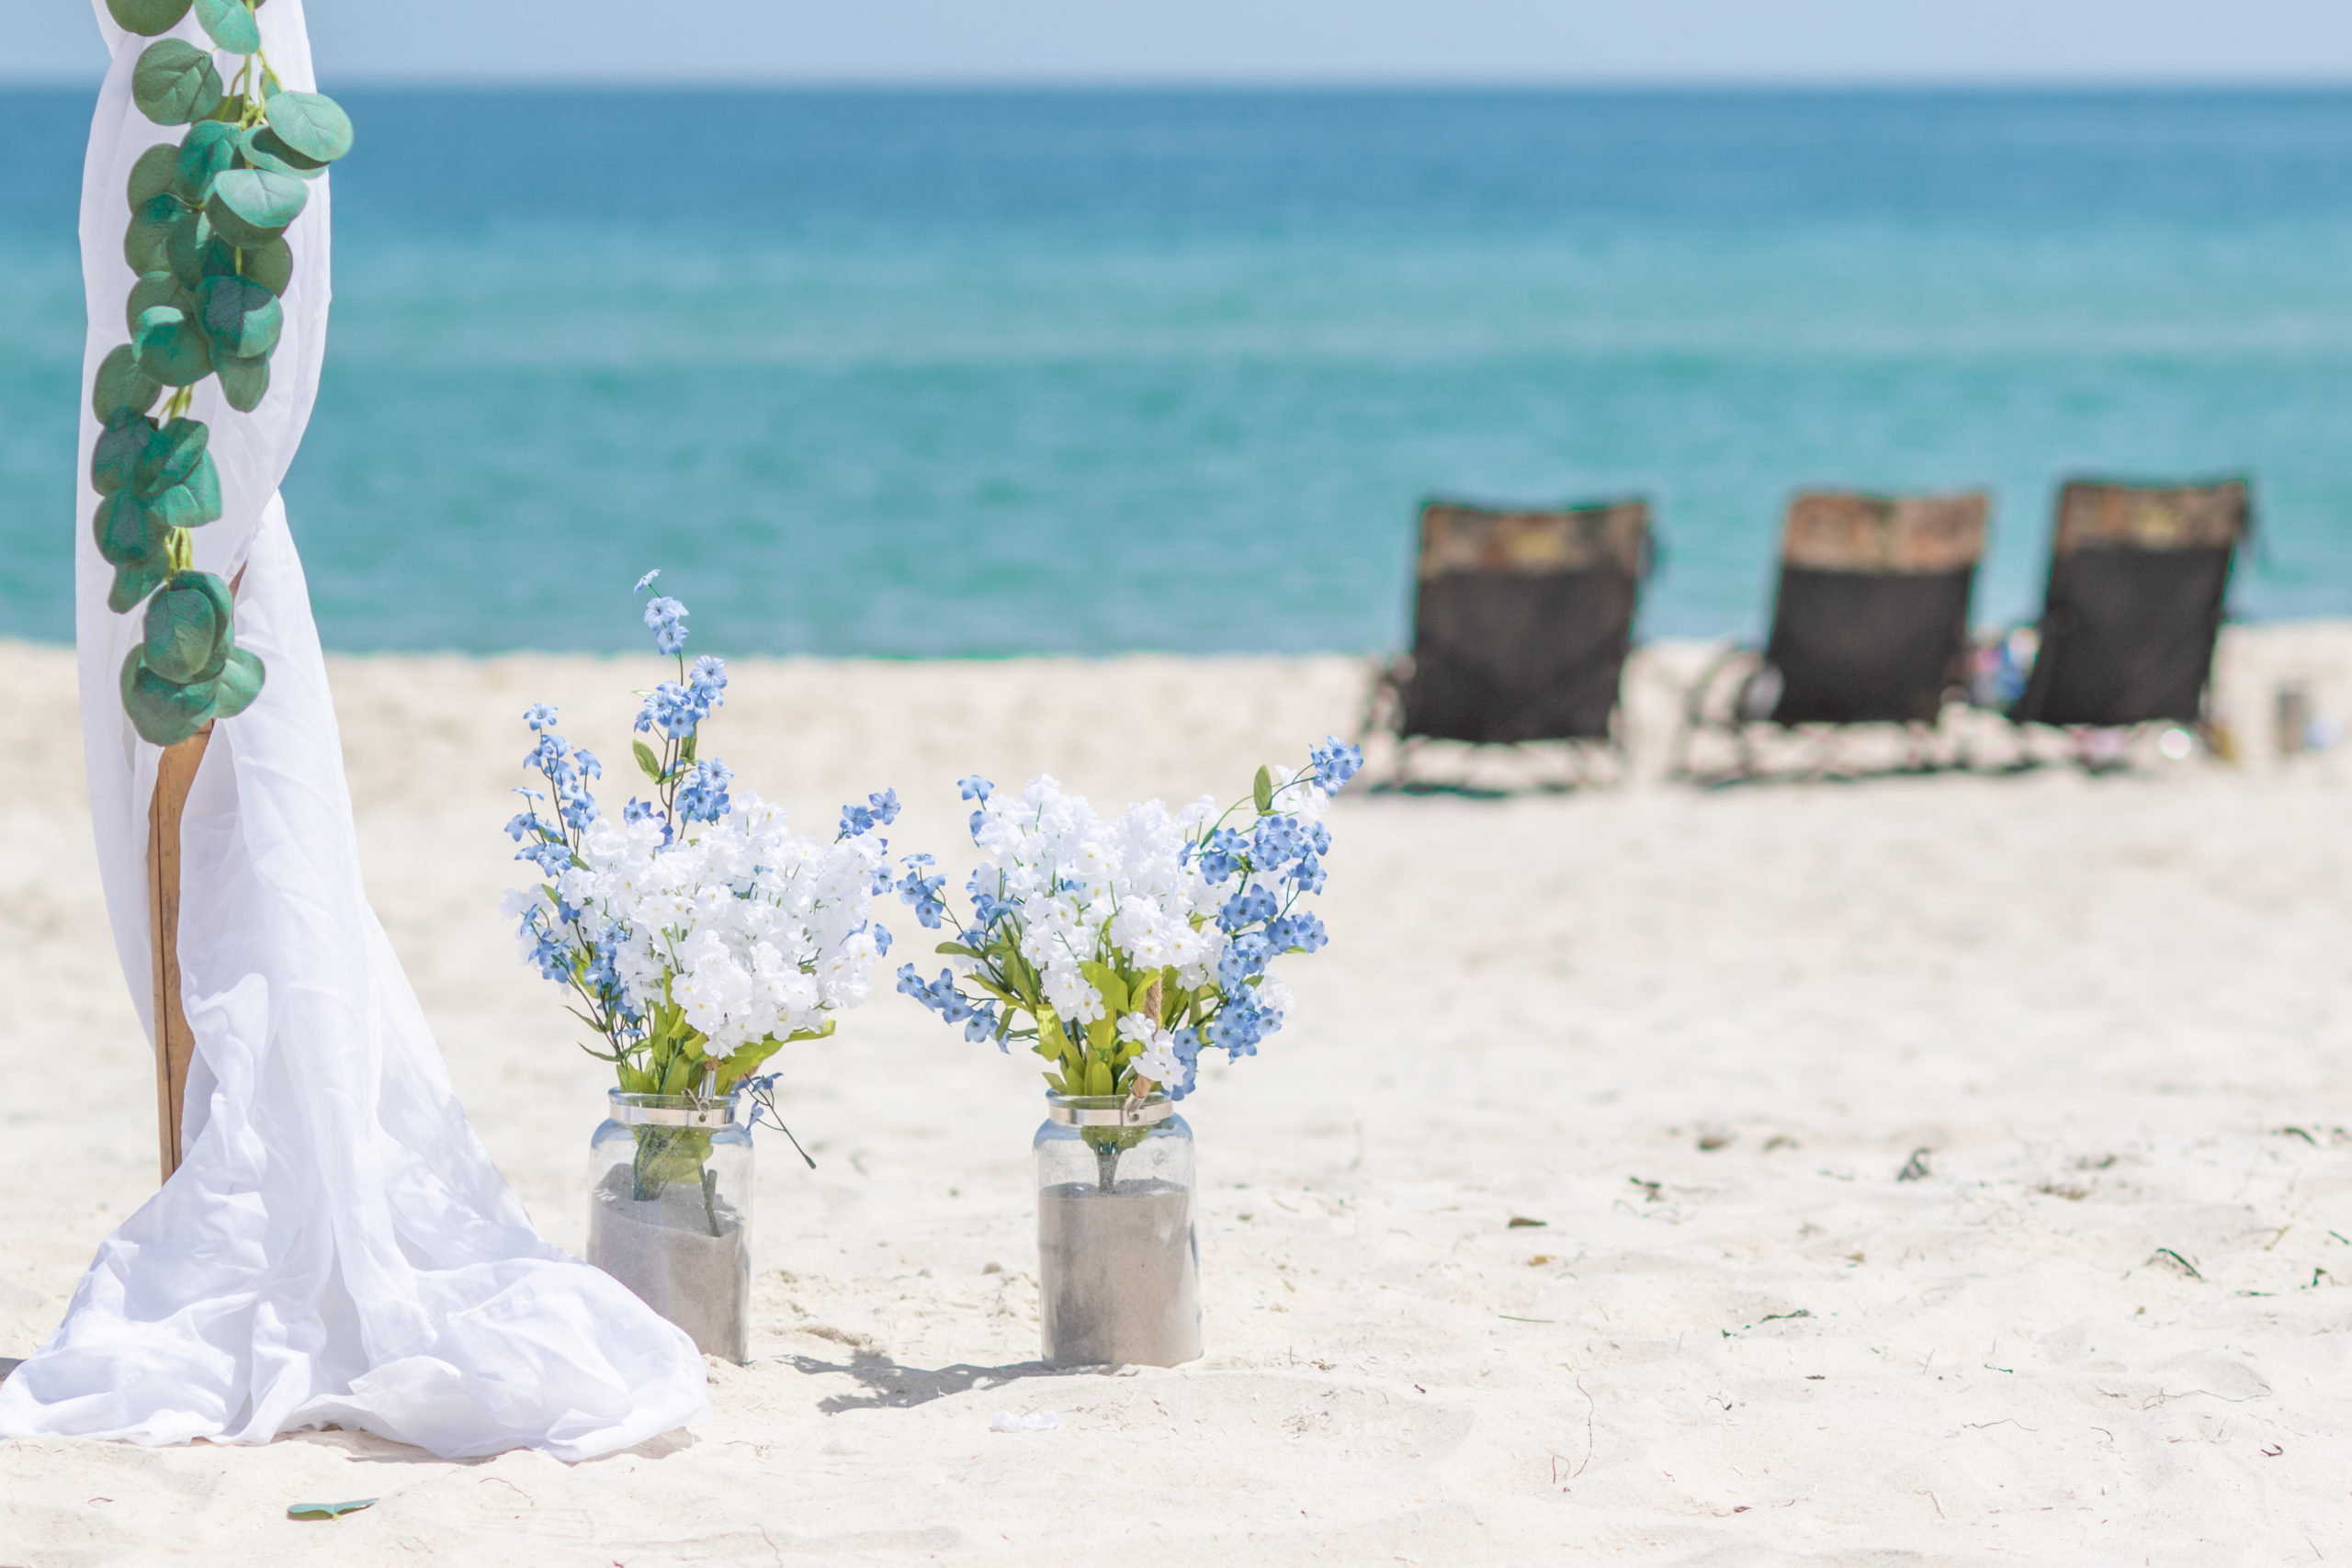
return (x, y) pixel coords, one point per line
(1107, 1110)
(670, 1110)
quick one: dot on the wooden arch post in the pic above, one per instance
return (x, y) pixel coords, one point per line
(174, 1045)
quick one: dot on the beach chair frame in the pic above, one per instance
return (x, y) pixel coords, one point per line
(1568, 583)
(1869, 629)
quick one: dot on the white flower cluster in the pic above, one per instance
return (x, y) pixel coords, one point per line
(757, 931)
(1076, 879)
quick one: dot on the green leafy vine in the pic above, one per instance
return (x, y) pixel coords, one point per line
(208, 239)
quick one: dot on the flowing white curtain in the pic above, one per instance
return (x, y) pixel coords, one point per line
(337, 1245)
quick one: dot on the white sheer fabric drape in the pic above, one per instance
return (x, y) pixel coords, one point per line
(337, 1245)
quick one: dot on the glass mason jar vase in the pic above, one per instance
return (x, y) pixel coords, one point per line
(1118, 1266)
(669, 1212)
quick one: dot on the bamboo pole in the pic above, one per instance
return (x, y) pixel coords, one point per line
(174, 1045)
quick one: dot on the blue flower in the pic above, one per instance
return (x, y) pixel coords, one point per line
(646, 581)
(1300, 932)
(1334, 763)
(709, 679)
(576, 805)
(1247, 908)
(703, 799)
(1187, 1046)
(940, 996)
(589, 767)
(1277, 841)
(982, 1026)
(1237, 1028)
(1244, 956)
(676, 708)
(879, 810)
(881, 940)
(922, 891)
(549, 856)
(523, 822)
(1226, 852)
(666, 618)
(1308, 875)
(553, 959)
(974, 787)
(539, 716)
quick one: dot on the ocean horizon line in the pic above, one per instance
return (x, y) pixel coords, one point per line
(1972, 87)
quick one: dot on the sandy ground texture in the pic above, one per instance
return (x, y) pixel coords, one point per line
(1910, 1169)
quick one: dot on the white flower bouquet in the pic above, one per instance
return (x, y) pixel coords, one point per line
(1118, 950)
(697, 935)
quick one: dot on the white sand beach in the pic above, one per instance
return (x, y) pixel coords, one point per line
(1693, 1035)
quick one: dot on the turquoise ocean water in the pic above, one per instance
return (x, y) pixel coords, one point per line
(987, 372)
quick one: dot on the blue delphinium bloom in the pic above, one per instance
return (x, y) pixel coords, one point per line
(703, 796)
(1334, 763)
(1226, 852)
(982, 1026)
(1245, 955)
(646, 581)
(708, 679)
(1299, 933)
(539, 716)
(550, 855)
(666, 618)
(921, 891)
(940, 996)
(974, 787)
(1308, 875)
(1277, 841)
(1247, 908)
(879, 810)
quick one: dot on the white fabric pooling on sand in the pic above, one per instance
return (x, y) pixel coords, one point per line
(337, 1245)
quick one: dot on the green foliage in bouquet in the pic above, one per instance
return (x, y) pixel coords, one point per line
(209, 215)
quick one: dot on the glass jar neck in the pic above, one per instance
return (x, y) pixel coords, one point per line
(1108, 1109)
(670, 1110)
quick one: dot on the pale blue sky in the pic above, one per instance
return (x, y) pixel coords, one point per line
(1306, 41)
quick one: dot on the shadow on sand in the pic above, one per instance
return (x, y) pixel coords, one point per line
(888, 1386)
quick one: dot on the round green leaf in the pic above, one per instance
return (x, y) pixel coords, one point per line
(133, 580)
(171, 456)
(251, 206)
(261, 150)
(184, 249)
(244, 382)
(311, 125)
(240, 316)
(121, 390)
(174, 83)
(188, 505)
(147, 17)
(153, 175)
(164, 713)
(211, 146)
(271, 265)
(171, 347)
(239, 683)
(230, 23)
(146, 242)
(113, 461)
(187, 636)
(120, 527)
(154, 289)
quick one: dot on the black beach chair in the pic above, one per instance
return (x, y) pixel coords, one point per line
(2133, 609)
(1522, 623)
(1869, 626)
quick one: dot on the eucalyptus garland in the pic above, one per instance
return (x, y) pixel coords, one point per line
(207, 239)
